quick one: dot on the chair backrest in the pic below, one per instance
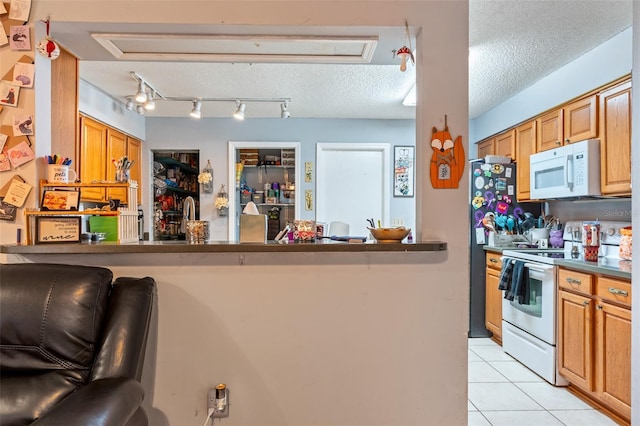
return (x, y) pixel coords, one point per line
(62, 326)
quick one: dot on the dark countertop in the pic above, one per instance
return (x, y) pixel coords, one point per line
(222, 247)
(605, 266)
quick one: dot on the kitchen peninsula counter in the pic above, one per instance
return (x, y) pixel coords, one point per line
(178, 247)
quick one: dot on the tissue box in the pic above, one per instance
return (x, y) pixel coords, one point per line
(253, 228)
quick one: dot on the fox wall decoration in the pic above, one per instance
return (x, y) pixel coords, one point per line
(447, 160)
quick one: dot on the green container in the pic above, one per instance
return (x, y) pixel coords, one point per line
(108, 224)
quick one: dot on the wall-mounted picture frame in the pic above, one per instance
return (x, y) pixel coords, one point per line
(58, 200)
(403, 171)
(52, 230)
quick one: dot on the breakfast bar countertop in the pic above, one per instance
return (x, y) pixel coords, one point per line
(222, 247)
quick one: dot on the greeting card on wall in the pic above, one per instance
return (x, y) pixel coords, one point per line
(17, 193)
(23, 125)
(19, 10)
(4, 38)
(23, 74)
(7, 211)
(9, 93)
(19, 37)
(20, 154)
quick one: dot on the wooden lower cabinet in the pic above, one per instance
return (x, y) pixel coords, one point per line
(575, 338)
(594, 337)
(493, 296)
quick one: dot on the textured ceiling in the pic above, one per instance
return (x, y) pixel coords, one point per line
(513, 44)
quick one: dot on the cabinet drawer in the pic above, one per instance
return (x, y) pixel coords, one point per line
(493, 260)
(576, 281)
(614, 290)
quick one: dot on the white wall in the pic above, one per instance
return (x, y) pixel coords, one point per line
(207, 300)
(211, 136)
(635, 209)
(603, 64)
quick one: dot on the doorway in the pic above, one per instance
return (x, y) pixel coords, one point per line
(354, 185)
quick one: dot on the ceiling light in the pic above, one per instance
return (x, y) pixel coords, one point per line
(141, 96)
(195, 112)
(284, 112)
(129, 105)
(140, 109)
(239, 114)
(150, 104)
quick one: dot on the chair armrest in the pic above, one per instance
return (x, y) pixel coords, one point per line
(103, 402)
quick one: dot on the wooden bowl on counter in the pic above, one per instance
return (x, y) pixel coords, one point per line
(390, 235)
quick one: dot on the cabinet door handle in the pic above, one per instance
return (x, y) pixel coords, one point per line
(599, 307)
(573, 281)
(492, 260)
(585, 303)
(618, 292)
(558, 143)
(567, 140)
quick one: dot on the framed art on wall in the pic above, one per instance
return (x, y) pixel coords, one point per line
(403, 171)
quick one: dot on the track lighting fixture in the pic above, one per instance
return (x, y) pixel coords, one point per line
(239, 114)
(147, 95)
(284, 111)
(195, 112)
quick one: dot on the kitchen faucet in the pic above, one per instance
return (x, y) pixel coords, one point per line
(189, 205)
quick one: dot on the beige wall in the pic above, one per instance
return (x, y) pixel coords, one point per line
(285, 333)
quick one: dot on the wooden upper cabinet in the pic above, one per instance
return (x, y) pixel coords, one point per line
(485, 148)
(92, 162)
(574, 122)
(505, 144)
(549, 130)
(134, 153)
(116, 149)
(525, 144)
(615, 140)
(581, 119)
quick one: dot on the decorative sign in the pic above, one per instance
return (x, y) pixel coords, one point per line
(403, 171)
(308, 200)
(57, 230)
(308, 171)
(447, 160)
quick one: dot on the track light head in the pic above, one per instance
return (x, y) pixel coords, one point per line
(150, 104)
(140, 109)
(195, 112)
(239, 114)
(129, 105)
(284, 111)
(141, 95)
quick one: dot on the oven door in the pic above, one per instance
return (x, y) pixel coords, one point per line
(538, 317)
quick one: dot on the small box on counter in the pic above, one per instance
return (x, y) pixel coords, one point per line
(245, 197)
(258, 197)
(249, 156)
(271, 200)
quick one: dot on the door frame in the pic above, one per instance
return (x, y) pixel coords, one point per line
(384, 148)
(234, 215)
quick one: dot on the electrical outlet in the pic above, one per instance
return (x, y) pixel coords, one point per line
(397, 221)
(218, 401)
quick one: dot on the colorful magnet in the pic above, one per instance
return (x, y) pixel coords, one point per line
(497, 168)
(477, 172)
(506, 199)
(490, 198)
(488, 173)
(477, 202)
(478, 193)
(502, 207)
(479, 182)
(485, 167)
(478, 216)
(501, 184)
(491, 182)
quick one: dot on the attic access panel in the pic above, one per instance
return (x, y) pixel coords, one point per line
(239, 48)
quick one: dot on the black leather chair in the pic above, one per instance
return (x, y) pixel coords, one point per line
(72, 345)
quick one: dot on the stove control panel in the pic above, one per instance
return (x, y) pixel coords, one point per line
(609, 231)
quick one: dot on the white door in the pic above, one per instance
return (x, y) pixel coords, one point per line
(353, 184)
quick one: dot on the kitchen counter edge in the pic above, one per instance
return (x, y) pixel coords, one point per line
(221, 247)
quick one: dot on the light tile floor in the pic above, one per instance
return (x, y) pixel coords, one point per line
(503, 392)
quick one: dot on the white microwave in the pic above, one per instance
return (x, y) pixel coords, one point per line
(566, 172)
